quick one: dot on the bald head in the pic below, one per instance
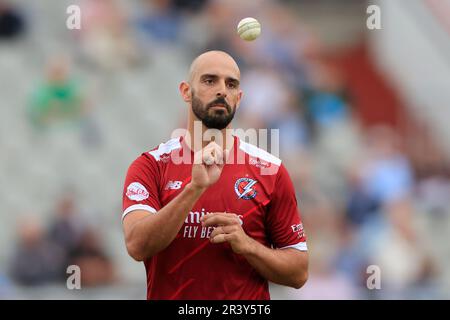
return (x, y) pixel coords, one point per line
(211, 62)
(213, 89)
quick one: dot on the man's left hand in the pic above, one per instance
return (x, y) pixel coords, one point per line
(228, 228)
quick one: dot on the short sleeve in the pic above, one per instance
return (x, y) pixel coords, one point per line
(141, 186)
(283, 220)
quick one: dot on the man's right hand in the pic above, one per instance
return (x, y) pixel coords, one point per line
(208, 165)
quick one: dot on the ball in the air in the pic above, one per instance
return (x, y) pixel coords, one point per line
(249, 29)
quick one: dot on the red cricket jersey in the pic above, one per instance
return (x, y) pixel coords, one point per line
(191, 267)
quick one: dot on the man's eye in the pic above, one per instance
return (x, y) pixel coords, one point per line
(209, 81)
(231, 85)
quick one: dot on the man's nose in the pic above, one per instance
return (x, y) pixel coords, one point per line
(221, 91)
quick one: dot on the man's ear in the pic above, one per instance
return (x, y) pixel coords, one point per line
(239, 98)
(185, 91)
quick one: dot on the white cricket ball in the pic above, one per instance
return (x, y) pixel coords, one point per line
(249, 29)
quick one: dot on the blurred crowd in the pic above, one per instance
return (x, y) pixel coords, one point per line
(363, 195)
(43, 255)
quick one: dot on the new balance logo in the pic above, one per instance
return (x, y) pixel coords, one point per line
(173, 185)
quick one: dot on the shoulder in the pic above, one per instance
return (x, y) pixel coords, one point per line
(267, 164)
(165, 148)
(157, 156)
(264, 167)
(258, 153)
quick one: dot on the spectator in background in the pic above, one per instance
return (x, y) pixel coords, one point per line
(43, 257)
(433, 187)
(263, 85)
(432, 199)
(160, 22)
(380, 206)
(328, 115)
(283, 112)
(278, 49)
(35, 260)
(326, 98)
(361, 204)
(105, 36)
(382, 178)
(60, 101)
(59, 98)
(293, 130)
(217, 16)
(67, 227)
(386, 173)
(89, 255)
(79, 243)
(12, 23)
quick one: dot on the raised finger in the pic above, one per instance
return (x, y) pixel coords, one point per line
(218, 155)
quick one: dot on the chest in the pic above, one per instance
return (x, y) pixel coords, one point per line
(239, 190)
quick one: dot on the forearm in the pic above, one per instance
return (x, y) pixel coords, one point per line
(155, 232)
(287, 267)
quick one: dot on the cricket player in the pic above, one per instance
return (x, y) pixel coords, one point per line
(214, 219)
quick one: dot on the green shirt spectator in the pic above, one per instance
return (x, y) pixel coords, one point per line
(59, 100)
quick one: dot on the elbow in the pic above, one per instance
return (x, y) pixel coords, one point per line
(300, 280)
(136, 251)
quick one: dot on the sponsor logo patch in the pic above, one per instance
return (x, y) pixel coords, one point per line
(137, 192)
(244, 188)
(298, 228)
(173, 185)
(259, 163)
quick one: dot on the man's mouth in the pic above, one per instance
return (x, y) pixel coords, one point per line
(219, 106)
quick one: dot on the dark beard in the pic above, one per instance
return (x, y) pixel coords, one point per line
(213, 119)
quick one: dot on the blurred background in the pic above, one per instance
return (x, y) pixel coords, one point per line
(361, 113)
